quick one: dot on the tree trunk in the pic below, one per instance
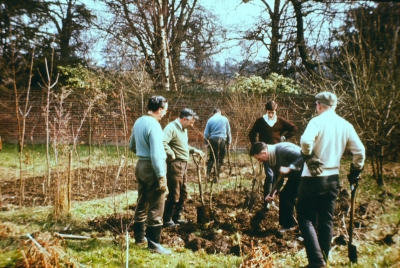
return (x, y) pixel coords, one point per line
(165, 60)
(274, 53)
(301, 43)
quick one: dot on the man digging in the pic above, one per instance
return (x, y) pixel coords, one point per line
(178, 154)
(284, 158)
(271, 129)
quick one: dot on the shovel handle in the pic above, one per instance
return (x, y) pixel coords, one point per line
(278, 184)
(352, 206)
(352, 250)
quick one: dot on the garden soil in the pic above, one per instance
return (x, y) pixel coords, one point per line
(232, 228)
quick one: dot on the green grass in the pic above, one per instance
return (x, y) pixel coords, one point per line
(93, 252)
(34, 161)
(15, 224)
(105, 254)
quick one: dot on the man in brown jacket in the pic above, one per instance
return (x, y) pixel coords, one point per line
(271, 129)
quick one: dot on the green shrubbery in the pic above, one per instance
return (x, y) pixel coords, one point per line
(273, 84)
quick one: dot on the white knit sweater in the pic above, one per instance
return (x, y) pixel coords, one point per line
(328, 136)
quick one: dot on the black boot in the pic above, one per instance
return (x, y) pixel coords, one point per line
(138, 232)
(167, 217)
(178, 213)
(153, 234)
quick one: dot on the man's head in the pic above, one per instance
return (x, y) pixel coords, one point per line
(325, 101)
(259, 151)
(216, 111)
(157, 106)
(187, 117)
(271, 107)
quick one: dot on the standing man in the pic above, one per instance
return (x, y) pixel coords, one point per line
(284, 158)
(176, 144)
(271, 129)
(217, 136)
(147, 144)
(323, 143)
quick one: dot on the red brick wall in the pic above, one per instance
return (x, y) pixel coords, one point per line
(107, 122)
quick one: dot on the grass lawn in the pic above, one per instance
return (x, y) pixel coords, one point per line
(378, 243)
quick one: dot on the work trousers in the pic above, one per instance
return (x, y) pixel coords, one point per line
(315, 209)
(287, 200)
(217, 149)
(150, 202)
(177, 181)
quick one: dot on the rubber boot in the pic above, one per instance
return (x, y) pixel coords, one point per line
(178, 213)
(153, 238)
(138, 232)
(311, 265)
(167, 217)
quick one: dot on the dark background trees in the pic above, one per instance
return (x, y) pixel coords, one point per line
(360, 65)
(137, 25)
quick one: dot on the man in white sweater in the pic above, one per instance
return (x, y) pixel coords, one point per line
(323, 143)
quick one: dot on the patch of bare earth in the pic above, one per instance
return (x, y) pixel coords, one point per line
(232, 228)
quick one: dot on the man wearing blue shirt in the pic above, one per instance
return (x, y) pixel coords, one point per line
(147, 143)
(217, 136)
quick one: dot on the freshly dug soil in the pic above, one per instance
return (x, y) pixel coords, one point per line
(231, 228)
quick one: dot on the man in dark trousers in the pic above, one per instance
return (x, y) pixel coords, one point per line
(323, 143)
(284, 158)
(271, 129)
(217, 136)
(147, 143)
(176, 144)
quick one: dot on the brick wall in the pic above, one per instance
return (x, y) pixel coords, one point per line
(107, 122)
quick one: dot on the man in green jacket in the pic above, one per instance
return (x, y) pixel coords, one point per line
(178, 154)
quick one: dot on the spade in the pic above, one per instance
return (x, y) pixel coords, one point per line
(352, 248)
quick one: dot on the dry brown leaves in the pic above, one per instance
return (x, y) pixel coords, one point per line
(46, 257)
(7, 229)
(258, 257)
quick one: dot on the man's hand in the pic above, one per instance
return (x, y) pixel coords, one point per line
(284, 170)
(354, 176)
(163, 188)
(314, 166)
(313, 163)
(269, 198)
